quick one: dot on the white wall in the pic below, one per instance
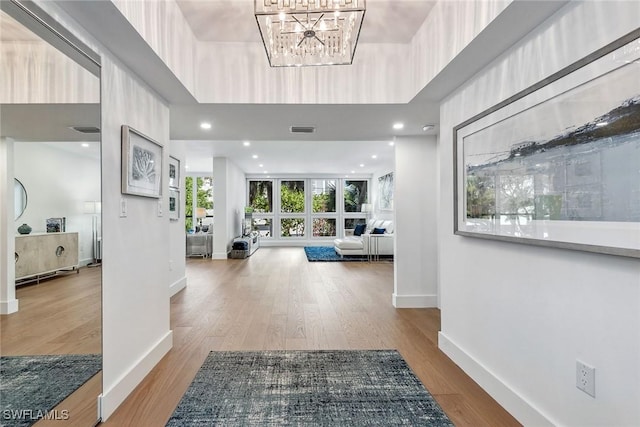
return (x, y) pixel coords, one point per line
(77, 180)
(135, 248)
(167, 32)
(177, 245)
(8, 301)
(448, 29)
(240, 73)
(516, 317)
(136, 255)
(229, 200)
(28, 68)
(415, 198)
(236, 200)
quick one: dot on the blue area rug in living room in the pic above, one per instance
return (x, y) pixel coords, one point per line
(328, 254)
(307, 388)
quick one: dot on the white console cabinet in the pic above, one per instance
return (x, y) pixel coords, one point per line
(45, 253)
(253, 242)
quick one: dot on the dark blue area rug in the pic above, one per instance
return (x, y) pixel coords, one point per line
(328, 254)
(31, 386)
(307, 388)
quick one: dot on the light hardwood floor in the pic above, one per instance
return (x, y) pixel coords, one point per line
(61, 315)
(277, 300)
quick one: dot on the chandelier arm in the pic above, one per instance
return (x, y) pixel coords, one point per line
(318, 20)
(298, 21)
(321, 42)
(303, 39)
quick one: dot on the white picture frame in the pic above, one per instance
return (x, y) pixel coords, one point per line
(141, 164)
(174, 204)
(174, 172)
(554, 165)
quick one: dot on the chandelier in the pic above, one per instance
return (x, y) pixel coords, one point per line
(309, 32)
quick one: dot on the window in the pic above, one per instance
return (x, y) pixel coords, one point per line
(355, 194)
(264, 226)
(323, 195)
(292, 227)
(350, 223)
(203, 192)
(293, 208)
(324, 227)
(292, 197)
(261, 196)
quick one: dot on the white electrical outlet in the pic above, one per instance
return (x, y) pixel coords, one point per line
(586, 378)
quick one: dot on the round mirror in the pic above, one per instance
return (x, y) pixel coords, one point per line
(20, 198)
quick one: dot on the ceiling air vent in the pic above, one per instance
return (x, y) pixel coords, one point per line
(86, 129)
(302, 129)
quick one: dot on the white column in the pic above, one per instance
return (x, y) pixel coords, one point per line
(220, 208)
(415, 199)
(8, 301)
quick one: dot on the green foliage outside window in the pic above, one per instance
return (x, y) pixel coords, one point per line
(324, 227)
(292, 196)
(325, 201)
(292, 227)
(261, 196)
(204, 195)
(355, 194)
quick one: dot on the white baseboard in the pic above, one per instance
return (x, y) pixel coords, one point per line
(220, 255)
(85, 262)
(8, 307)
(177, 286)
(517, 406)
(112, 398)
(414, 301)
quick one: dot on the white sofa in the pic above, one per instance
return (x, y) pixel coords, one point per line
(364, 244)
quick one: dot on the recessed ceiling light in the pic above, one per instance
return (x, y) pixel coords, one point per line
(261, 165)
(391, 143)
(353, 171)
(375, 156)
(255, 156)
(427, 127)
(186, 167)
(398, 126)
(246, 143)
(85, 144)
(205, 125)
(361, 165)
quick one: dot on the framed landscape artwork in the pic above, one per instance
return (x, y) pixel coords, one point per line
(56, 225)
(385, 192)
(557, 164)
(141, 164)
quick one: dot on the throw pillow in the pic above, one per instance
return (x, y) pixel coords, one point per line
(378, 231)
(359, 229)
